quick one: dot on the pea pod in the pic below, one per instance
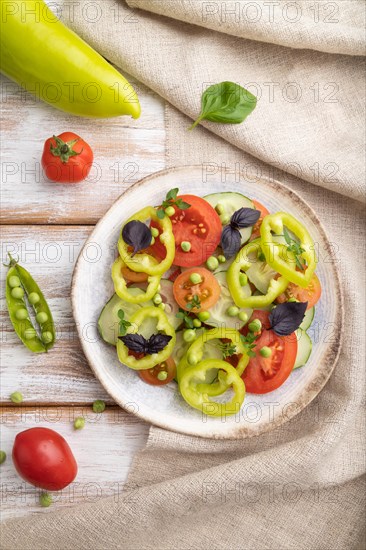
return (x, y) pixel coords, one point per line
(52, 62)
(19, 286)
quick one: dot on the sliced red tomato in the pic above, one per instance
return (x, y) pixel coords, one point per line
(199, 225)
(263, 375)
(151, 376)
(310, 294)
(196, 297)
(256, 228)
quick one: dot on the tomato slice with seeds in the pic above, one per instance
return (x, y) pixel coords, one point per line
(196, 297)
(256, 227)
(151, 376)
(263, 375)
(310, 294)
(199, 225)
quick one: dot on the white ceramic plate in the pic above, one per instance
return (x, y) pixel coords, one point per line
(163, 406)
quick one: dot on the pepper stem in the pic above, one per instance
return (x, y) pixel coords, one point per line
(63, 149)
(12, 262)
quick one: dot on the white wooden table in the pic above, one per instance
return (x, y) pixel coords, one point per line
(46, 224)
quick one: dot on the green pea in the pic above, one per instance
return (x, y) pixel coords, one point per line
(243, 316)
(21, 314)
(195, 278)
(45, 500)
(162, 306)
(219, 208)
(265, 351)
(14, 281)
(203, 316)
(185, 246)
(2, 457)
(189, 335)
(17, 292)
(155, 232)
(16, 397)
(221, 259)
(30, 333)
(255, 325)
(197, 323)
(79, 423)
(47, 337)
(243, 279)
(34, 298)
(157, 299)
(41, 317)
(162, 375)
(98, 406)
(225, 220)
(170, 211)
(232, 311)
(193, 358)
(212, 263)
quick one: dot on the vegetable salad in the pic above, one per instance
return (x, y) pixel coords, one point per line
(213, 294)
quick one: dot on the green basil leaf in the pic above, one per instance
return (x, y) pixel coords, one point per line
(172, 194)
(226, 103)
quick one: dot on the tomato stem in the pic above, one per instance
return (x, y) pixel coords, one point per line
(64, 150)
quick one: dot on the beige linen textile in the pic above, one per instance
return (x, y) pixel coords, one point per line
(298, 487)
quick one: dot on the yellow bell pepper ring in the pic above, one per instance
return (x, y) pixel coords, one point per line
(49, 60)
(121, 289)
(192, 379)
(162, 325)
(275, 223)
(146, 263)
(242, 263)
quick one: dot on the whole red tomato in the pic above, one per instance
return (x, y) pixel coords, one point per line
(43, 458)
(67, 158)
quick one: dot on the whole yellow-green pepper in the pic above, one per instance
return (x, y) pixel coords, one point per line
(49, 60)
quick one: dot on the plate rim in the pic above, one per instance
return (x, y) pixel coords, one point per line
(334, 350)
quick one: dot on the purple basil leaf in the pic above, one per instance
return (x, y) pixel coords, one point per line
(137, 235)
(230, 241)
(158, 342)
(287, 317)
(135, 342)
(244, 217)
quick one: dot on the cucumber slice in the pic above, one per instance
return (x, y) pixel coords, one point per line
(259, 273)
(108, 320)
(231, 203)
(304, 347)
(308, 318)
(218, 317)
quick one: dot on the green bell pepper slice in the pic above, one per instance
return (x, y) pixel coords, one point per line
(275, 223)
(242, 263)
(121, 289)
(145, 262)
(195, 354)
(192, 381)
(163, 325)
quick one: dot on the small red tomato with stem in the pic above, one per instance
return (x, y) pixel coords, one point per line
(43, 458)
(67, 158)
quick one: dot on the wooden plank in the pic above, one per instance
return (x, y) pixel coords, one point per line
(125, 150)
(62, 375)
(104, 450)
